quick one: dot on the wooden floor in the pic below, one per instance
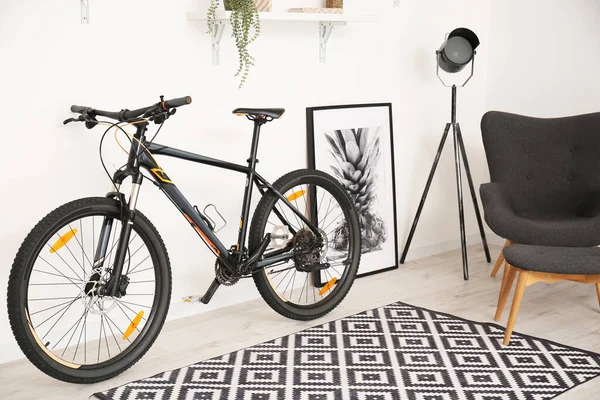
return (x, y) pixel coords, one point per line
(564, 312)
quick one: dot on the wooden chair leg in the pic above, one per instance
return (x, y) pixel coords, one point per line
(598, 291)
(508, 277)
(500, 260)
(521, 284)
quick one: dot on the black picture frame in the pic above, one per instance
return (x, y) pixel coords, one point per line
(310, 130)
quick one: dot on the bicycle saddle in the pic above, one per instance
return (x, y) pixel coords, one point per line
(274, 113)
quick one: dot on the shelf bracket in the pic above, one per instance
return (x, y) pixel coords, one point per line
(216, 33)
(325, 29)
(85, 11)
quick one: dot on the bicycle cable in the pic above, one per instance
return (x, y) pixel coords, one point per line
(119, 127)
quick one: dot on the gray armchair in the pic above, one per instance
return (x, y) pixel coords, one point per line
(545, 179)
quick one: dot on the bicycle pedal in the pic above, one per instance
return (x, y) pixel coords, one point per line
(191, 299)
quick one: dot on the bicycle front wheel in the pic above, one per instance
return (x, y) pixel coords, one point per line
(62, 323)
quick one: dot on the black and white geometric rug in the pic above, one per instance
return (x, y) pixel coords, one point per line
(390, 353)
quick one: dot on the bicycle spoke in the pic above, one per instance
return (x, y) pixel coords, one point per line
(133, 269)
(331, 266)
(303, 286)
(290, 281)
(70, 252)
(284, 215)
(100, 339)
(50, 298)
(141, 270)
(50, 317)
(326, 211)
(282, 279)
(320, 204)
(328, 225)
(50, 284)
(113, 334)
(72, 270)
(79, 341)
(61, 275)
(326, 215)
(130, 309)
(49, 308)
(94, 244)
(133, 304)
(307, 287)
(293, 282)
(76, 324)
(117, 326)
(84, 255)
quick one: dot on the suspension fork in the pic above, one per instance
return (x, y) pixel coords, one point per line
(113, 286)
(114, 283)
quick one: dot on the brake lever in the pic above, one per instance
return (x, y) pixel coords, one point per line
(67, 121)
(90, 120)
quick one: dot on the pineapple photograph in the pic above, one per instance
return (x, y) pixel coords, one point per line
(355, 155)
(355, 145)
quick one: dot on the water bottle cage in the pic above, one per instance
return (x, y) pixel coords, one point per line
(210, 221)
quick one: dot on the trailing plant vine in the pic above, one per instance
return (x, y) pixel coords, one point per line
(246, 29)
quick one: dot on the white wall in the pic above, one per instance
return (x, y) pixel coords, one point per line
(134, 50)
(544, 57)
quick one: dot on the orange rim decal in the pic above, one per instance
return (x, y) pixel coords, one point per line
(134, 323)
(62, 240)
(327, 286)
(296, 195)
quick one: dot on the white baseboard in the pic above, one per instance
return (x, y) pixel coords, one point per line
(10, 351)
(416, 252)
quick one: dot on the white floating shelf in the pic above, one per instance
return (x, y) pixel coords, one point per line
(326, 24)
(291, 16)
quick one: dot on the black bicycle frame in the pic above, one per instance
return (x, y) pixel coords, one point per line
(139, 157)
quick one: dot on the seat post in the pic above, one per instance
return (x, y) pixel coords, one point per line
(254, 147)
(248, 190)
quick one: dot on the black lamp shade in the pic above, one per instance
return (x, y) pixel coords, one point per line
(458, 50)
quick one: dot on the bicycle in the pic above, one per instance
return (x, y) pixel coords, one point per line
(112, 285)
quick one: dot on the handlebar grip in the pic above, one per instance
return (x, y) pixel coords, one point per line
(78, 109)
(182, 101)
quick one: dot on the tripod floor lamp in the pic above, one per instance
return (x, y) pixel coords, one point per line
(455, 53)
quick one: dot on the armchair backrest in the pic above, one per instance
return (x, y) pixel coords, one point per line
(548, 166)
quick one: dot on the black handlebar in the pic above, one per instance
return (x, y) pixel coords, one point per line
(126, 115)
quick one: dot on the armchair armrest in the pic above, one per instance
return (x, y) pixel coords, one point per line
(497, 208)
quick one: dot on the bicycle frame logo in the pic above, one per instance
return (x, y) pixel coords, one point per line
(160, 174)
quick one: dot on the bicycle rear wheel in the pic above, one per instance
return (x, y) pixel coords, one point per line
(312, 284)
(62, 323)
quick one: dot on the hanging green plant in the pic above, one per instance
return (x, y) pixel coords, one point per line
(246, 28)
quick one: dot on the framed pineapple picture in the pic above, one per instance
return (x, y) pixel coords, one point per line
(354, 144)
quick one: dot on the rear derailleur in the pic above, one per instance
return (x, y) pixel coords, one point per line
(309, 251)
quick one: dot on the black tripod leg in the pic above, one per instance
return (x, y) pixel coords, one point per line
(473, 195)
(424, 196)
(461, 213)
